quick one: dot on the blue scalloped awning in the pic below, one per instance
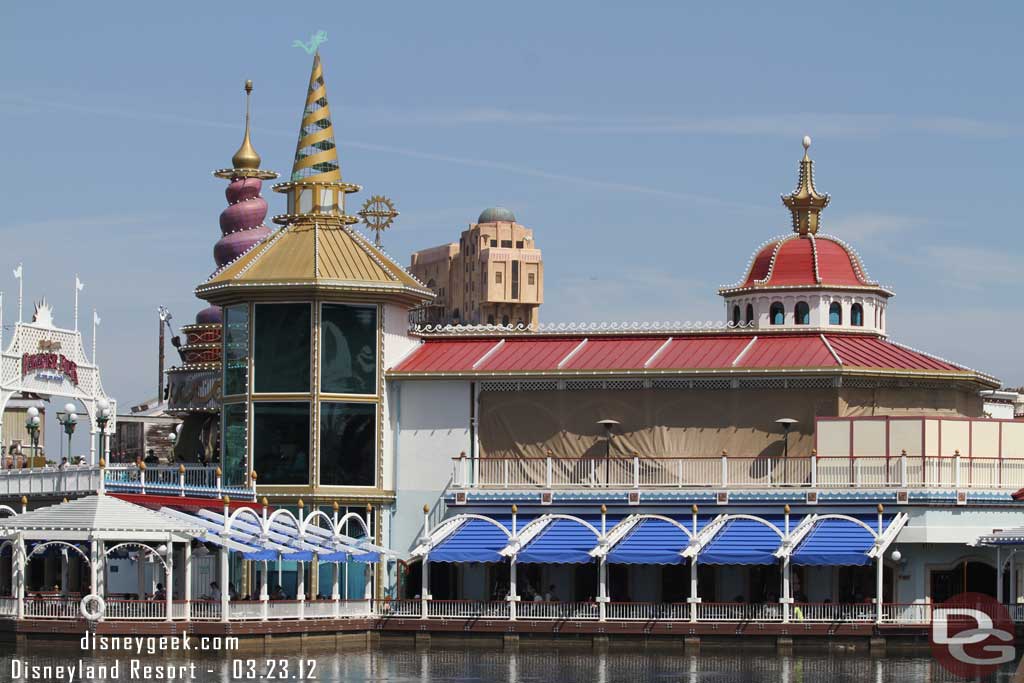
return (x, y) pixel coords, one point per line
(655, 541)
(746, 541)
(836, 542)
(564, 541)
(476, 540)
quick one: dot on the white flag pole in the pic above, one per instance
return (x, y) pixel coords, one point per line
(21, 288)
(78, 288)
(95, 323)
(1, 322)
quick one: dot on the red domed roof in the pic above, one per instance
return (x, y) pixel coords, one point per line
(805, 261)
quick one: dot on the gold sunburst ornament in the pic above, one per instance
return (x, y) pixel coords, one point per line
(378, 213)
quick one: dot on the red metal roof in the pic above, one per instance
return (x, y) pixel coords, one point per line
(700, 352)
(446, 355)
(794, 264)
(525, 354)
(871, 352)
(617, 353)
(535, 354)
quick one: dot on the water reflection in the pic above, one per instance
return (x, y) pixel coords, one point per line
(399, 664)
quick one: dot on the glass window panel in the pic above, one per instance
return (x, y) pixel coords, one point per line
(236, 349)
(348, 444)
(349, 344)
(280, 443)
(235, 439)
(281, 348)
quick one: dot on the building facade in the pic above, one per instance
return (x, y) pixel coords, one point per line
(494, 275)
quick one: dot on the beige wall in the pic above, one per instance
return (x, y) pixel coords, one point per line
(891, 436)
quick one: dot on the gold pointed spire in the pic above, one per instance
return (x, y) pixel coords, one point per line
(246, 156)
(316, 155)
(805, 202)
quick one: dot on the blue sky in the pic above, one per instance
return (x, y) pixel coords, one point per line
(646, 143)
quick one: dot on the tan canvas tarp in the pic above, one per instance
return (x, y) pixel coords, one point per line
(910, 401)
(654, 423)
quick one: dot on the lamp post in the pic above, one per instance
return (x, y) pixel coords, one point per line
(787, 423)
(68, 419)
(102, 418)
(609, 426)
(32, 425)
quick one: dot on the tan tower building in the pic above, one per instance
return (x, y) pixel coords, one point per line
(493, 275)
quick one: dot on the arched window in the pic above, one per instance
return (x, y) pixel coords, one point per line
(857, 315)
(802, 313)
(835, 313)
(735, 315)
(777, 313)
(750, 313)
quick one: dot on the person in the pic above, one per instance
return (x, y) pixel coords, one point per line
(151, 458)
(63, 464)
(550, 595)
(232, 592)
(214, 591)
(277, 593)
(160, 593)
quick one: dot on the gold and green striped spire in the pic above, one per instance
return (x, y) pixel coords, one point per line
(316, 156)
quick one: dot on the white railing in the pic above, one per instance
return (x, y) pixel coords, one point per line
(179, 610)
(739, 472)
(242, 610)
(319, 609)
(833, 613)
(8, 607)
(354, 608)
(70, 479)
(398, 608)
(283, 609)
(739, 611)
(194, 480)
(205, 610)
(917, 613)
(37, 607)
(570, 611)
(136, 610)
(451, 609)
(648, 611)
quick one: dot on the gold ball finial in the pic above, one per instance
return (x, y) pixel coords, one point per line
(604, 508)
(264, 501)
(881, 508)
(218, 472)
(786, 508)
(181, 469)
(246, 158)
(515, 508)
(724, 452)
(65, 499)
(300, 504)
(227, 500)
(24, 500)
(252, 475)
(369, 507)
(103, 463)
(248, 86)
(693, 508)
(142, 465)
(335, 506)
(426, 508)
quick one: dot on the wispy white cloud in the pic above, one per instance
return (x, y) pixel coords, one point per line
(973, 267)
(858, 228)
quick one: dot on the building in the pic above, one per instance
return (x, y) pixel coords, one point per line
(494, 275)
(18, 441)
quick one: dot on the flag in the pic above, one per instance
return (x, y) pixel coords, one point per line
(95, 318)
(17, 272)
(79, 285)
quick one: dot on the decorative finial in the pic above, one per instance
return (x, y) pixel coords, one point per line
(693, 508)
(786, 508)
(264, 502)
(426, 508)
(805, 202)
(604, 508)
(515, 508)
(378, 213)
(246, 157)
(315, 41)
(227, 500)
(300, 504)
(336, 506)
(881, 508)
(316, 155)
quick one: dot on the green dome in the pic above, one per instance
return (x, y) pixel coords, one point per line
(497, 214)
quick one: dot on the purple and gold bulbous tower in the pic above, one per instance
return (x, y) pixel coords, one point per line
(194, 388)
(241, 224)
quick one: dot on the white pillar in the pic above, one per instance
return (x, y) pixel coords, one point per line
(786, 598)
(19, 554)
(602, 588)
(169, 581)
(879, 572)
(140, 575)
(300, 591)
(424, 587)
(1013, 577)
(264, 595)
(513, 590)
(223, 583)
(335, 593)
(694, 599)
(188, 581)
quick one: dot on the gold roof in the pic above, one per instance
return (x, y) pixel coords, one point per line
(805, 202)
(328, 258)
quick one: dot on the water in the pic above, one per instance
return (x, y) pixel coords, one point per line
(532, 665)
